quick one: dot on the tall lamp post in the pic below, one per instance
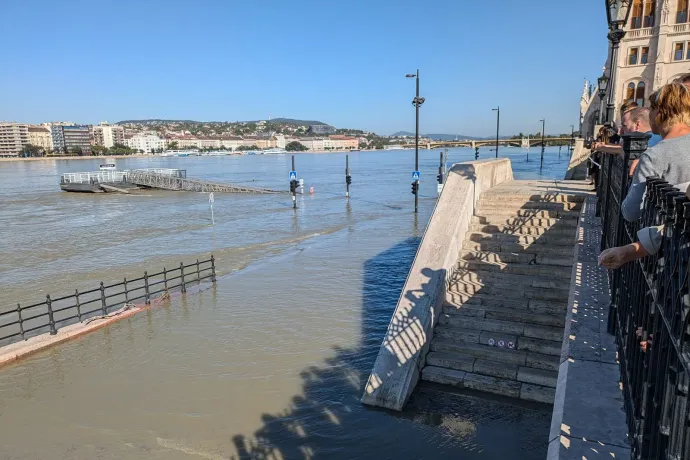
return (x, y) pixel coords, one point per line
(617, 13)
(543, 127)
(498, 124)
(417, 102)
(603, 88)
(572, 139)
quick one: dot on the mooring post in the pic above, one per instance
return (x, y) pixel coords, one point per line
(198, 274)
(78, 305)
(146, 288)
(183, 287)
(348, 177)
(21, 321)
(103, 307)
(126, 291)
(165, 279)
(51, 319)
(293, 185)
(213, 268)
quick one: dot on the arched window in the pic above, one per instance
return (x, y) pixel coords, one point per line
(630, 92)
(639, 94)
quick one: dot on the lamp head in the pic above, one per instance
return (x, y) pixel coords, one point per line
(617, 12)
(410, 75)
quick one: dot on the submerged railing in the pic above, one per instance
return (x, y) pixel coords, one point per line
(23, 322)
(650, 308)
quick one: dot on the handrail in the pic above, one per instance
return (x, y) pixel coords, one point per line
(649, 312)
(53, 307)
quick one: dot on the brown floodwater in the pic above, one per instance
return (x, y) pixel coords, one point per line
(269, 362)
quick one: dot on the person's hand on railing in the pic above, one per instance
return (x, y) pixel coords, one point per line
(614, 258)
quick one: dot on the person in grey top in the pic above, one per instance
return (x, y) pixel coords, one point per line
(670, 159)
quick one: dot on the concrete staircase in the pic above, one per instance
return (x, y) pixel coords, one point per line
(501, 327)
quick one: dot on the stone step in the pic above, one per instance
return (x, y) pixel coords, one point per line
(516, 268)
(502, 355)
(488, 384)
(513, 330)
(554, 317)
(539, 307)
(512, 221)
(520, 258)
(535, 198)
(460, 291)
(460, 362)
(519, 248)
(496, 211)
(514, 205)
(508, 281)
(568, 231)
(552, 240)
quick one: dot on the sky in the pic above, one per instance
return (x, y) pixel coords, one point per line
(340, 62)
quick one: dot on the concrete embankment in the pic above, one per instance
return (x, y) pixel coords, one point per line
(406, 343)
(577, 169)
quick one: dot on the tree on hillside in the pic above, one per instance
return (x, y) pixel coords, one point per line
(295, 146)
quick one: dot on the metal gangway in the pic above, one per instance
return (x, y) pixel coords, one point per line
(108, 177)
(176, 179)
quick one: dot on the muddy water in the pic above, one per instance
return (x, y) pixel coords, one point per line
(271, 361)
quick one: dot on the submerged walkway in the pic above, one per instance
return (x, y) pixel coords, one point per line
(170, 182)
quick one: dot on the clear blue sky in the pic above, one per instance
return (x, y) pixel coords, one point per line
(342, 62)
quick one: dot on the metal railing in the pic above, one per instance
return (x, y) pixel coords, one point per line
(96, 176)
(22, 322)
(181, 173)
(650, 309)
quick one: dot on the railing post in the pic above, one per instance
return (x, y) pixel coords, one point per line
(103, 308)
(21, 321)
(126, 292)
(607, 190)
(198, 274)
(165, 279)
(213, 268)
(78, 305)
(51, 319)
(182, 286)
(146, 288)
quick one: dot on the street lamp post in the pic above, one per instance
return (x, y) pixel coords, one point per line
(417, 102)
(543, 127)
(617, 13)
(498, 124)
(603, 88)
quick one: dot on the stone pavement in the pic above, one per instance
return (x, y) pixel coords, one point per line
(588, 419)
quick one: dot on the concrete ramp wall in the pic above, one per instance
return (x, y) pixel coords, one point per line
(577, 169)
(406, 343)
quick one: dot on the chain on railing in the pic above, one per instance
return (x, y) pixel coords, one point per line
(23, 322)
(650, 309)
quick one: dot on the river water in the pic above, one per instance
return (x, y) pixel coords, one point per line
(268, 363)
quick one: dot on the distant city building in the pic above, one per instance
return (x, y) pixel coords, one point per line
(13, 138)
(321, 129)
(69, 139)
(40, 137)
(108, 135)
(147, 143)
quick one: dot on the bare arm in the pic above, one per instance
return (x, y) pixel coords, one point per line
(613, 258)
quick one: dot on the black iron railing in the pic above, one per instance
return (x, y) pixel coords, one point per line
(24, 321)
(650, 309)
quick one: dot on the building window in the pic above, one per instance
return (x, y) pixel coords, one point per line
(636, 21)
(648, 19)
(630, 93)
(645, 55)
(639, 94)
(682, 12)
(632, 56)
(678, 52)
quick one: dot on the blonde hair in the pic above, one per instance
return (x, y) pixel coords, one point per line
(671, 104)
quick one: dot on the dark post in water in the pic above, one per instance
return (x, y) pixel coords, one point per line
(293, 185)
(543, 128)
(348, 177)
(417, 101)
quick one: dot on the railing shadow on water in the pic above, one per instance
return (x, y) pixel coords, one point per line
(327, 419)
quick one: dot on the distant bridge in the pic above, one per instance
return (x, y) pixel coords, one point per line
(523, 143)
